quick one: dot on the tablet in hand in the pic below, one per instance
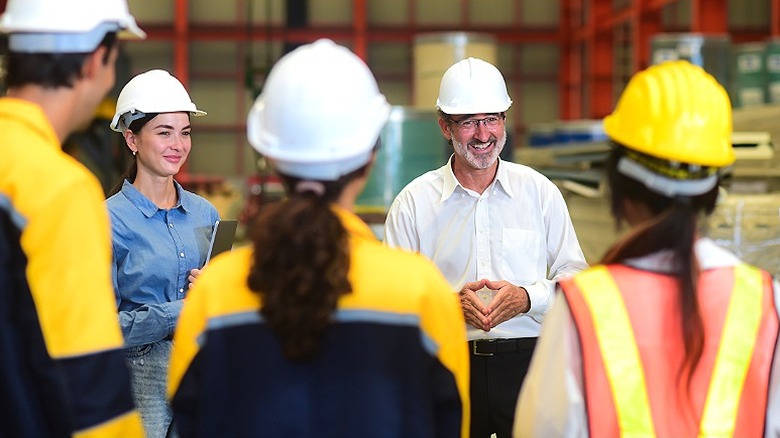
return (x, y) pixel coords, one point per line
(221, 238)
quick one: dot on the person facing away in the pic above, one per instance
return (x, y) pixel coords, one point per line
(317, 329)
(160, 231)
(499, 231)
(62, 372)
(673, 330)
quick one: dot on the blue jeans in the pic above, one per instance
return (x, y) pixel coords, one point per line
(149, 372)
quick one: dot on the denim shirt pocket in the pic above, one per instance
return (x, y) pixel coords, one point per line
(520, 254)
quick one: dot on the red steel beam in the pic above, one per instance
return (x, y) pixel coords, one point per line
(596, 35)
(360, 28)
(181, 55)
(645, 26)
(240, 80)
(774, 17)
(515, 78)
(570, 68)
(747, 35)
(600, 62)
(181, 52)
(627, 14)
(709, 16)
(207, 32)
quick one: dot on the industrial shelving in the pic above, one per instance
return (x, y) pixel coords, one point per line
(598, 44)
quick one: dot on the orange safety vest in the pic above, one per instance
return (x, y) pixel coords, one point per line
(629, 324)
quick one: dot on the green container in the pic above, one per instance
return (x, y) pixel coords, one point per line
(412, 144)
(772, 65)
(749, 86)
(710, 52)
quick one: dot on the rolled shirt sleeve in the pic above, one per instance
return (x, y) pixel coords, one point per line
(150, 322)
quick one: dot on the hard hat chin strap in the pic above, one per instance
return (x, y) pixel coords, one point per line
(664, 185)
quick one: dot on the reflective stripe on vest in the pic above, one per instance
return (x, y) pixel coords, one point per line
(621, 356)
(623, 364)
(734, 353)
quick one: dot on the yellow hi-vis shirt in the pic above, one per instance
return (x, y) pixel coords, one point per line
(394, 362)
(57, 234)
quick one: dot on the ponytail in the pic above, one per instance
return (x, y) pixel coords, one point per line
(129, 174)
(301, 263)
(674, 227)
(132, 166)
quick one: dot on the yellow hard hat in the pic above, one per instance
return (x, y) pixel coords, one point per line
(677, 112)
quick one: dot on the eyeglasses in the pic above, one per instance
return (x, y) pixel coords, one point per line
(472, 124)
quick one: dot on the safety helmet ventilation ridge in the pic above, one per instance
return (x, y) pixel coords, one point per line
(679, 116)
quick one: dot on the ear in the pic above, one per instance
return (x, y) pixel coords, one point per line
(132, 140)
(371, 163)
(635, 212)
(445, 128)
(93, 62)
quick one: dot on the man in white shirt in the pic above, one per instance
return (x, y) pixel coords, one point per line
(499, 231)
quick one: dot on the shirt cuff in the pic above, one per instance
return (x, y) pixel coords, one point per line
(172, 312)
(540, 299)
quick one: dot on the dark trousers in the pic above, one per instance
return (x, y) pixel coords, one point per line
(498, 368)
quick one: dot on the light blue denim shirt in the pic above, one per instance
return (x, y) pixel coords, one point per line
(153, 252)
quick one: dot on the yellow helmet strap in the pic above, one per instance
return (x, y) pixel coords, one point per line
(664, 185)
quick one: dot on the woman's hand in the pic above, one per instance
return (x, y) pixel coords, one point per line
(194, 274)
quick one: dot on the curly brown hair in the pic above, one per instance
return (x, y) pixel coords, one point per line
(300, 265)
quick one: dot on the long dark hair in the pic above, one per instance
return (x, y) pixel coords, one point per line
(300, 265)
(673, 228)
(132, 164)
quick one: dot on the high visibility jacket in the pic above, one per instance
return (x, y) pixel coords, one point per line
(392, 364)
(62, 368)
(629, 323)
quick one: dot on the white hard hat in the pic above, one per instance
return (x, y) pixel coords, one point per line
(155, 91)
(320, 113)
(59, 26)
(473, 86)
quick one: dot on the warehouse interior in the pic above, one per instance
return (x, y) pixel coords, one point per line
(565, 63)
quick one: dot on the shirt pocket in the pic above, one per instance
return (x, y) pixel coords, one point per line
(520, 254)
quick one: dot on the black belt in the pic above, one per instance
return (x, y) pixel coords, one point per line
(489, 347)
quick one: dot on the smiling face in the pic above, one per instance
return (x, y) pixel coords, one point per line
(478, 142)
(162, 145)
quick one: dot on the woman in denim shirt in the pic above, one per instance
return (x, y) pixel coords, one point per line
(160, 233)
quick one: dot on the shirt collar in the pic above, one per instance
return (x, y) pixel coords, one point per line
(146, 206)
(449, 180)
(450, 183)
(32, 115)
(708, 254)
(502, 176)
(353, 224)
